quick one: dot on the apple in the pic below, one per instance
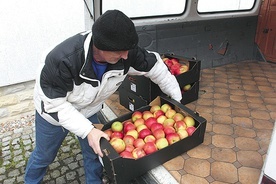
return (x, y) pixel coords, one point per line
(117, 126)
(129, 148)
(154, 108)
(183, 68)
(190, 130)
(178, 117)
(172, 138)
(189, 121)
(150, 121)
(174, 60)
(138, 153)
(117, 134)
(118, 144)
(138, 143)
(126, 154)
(170, 113)
(139, 121)
(179, 125)
(127, 122)
(136, 115)
(133, 133)
(147, 114)
(168, 122)
(169, 129)
(159, 133)
(129, 126)
(128, 139)
(158, 113)
(168, 62)
(149, 138)
(156, 126)
(143, 133)
(165, 107)
(175, 69)
(182, 133)
(141, 127)
(150, 147)
(108, 132)
(161, 143)
(161, 119)
(187, 87)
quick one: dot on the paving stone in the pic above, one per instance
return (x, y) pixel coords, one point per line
(14, 173)
(71, 175)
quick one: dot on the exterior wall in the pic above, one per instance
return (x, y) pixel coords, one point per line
(16, 101)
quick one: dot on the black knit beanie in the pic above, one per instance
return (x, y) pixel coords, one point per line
(114, 31)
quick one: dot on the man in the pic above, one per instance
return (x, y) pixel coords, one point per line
(76, 78)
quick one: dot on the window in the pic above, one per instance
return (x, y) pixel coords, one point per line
(209, 6)
(145, 8)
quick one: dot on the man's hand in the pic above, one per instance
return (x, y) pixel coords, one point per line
(94, 137)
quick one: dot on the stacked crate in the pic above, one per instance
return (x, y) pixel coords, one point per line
(139, 91)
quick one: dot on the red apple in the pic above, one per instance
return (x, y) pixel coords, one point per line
(126, 154)
(182, 133)
(129, 148)
(129, 126)
(117, 134)
(158, 133)
(139, 121)
(150, 121)
(172, 138)
(143, 133)
(136, 115)
(150, 147)
(149, 138)
(154, 108)
(117, 126)
(179, 125)
(138, 153)
(133, 133)
(147, 114)
(174, 60)
(118, 144)
(165, 107)
(168, 122)
(178, 117)
(141, 127)
(108, 132)
(139, 143)
(158, 113)
(161, 119)
(169, 129)
(189, 121)
(128, 139)
(162, 143)
(190, 130)
(170, 113)
(156, 126)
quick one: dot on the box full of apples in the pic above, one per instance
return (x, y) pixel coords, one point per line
(148, 137)
(132, 92)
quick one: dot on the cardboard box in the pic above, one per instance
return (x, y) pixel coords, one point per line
(122, 170)
(146, 90)
(131, 101)
(138, 84)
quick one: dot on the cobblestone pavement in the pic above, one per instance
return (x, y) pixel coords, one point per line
(16, 147)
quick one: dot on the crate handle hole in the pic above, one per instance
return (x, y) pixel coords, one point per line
(106, 152)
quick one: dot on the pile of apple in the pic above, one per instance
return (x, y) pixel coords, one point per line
(149, 131)
(175, 67)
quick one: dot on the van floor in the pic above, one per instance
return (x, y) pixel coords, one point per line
(239, 103)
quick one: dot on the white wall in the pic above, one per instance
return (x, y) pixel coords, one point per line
(28, 28)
